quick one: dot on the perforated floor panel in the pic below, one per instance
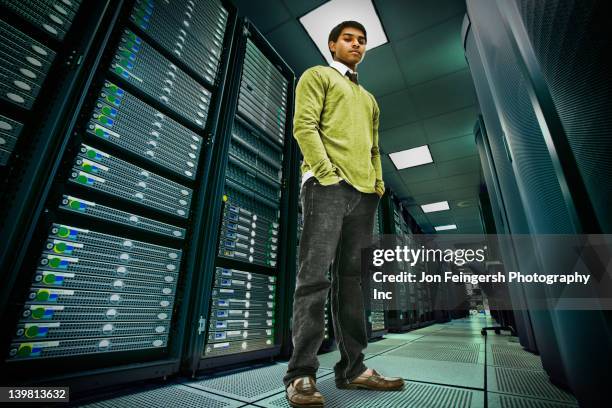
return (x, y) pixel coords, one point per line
(525, 383)
(248, 385)
(510, 401)
(170, 396)
(426, 344)
(512, 357)
(439, 353)
(414, 395)
(473, 340)
(404, 336)
(456, 333)
(376, 348)
(391, 342)
(439, 372)
(428, 329)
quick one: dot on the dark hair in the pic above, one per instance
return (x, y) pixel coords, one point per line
(335, 32)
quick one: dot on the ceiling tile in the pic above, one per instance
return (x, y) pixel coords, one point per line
(299, 58)
(396, 109)
(444, 184)
(402, 137)
(454, 194)
(457, 123)
(379, 72)
(446, 94)
(453, 148)
(432, 53)
(265, 14)
(469, 228)
(464, 202)
(441, 218)
(300, 7)
(466, 211)
(414, 175)
(402, 18)
(394, 181)
(462, 180)
(459, 166)
(387, 164)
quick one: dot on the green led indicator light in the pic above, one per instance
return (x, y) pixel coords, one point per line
(63, 232)
(50, 278)
(106, 110)
(42, 295)
(113, 88)
(75, 205)
(59, 247)
(24, 350)
(91, 153)
(54, 263)
(88, 168)
(31, 331)
(103, 119)
(38, 313)
(118, 69)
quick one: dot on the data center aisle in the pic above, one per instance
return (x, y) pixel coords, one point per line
(446, 365)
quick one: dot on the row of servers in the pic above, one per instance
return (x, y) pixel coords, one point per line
(544, 143)
(130, 166)
(376, 312)
(412, 304)
(250, 226)
(25, 63)
(145, 153)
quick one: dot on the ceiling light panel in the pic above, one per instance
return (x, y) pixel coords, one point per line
(445, 227)
(433, 207)
(320, 21)
(411, 157)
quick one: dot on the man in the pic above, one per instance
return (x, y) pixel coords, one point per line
(336, 126)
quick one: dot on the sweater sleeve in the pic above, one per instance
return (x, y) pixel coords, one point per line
(380, 184)
(309, 99)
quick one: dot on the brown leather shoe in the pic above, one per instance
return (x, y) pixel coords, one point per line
(303, 393)
(375, 382)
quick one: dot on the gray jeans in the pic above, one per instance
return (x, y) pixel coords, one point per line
(336, 215)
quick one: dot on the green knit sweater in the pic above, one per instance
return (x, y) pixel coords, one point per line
(336, 126)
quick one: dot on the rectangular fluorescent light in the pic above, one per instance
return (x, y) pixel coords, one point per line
(445, 227)
(433, 207)
(320, 21)
(411, 157)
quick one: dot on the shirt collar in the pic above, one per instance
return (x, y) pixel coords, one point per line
(341, 68)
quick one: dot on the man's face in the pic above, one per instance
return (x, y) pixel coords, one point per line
(350, 47)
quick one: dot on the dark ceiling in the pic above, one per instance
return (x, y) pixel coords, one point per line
(423, 86)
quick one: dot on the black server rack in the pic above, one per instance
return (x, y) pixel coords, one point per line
(413, 305)
(551, 123)
(507, 218)
(403, 314)
(376, 316)
(105, 285)
(250, 212)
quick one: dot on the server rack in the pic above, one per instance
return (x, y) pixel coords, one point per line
(564, 189)
(377, 325)
(249, 212)
(413, 306)
(104, 284)
(506, 219)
